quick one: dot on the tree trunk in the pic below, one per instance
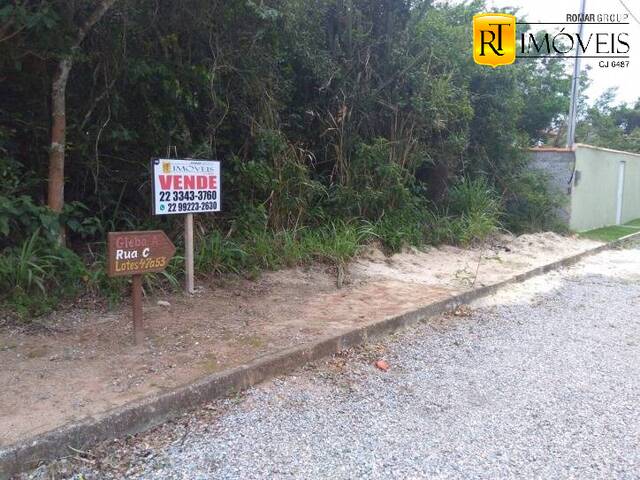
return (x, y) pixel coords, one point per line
(55, 194)
(55, 197)
(348, 6)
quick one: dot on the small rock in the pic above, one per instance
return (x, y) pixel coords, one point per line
(382, 365)
(163, 303)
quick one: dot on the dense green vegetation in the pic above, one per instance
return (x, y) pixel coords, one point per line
(611, 126)
(338, 122)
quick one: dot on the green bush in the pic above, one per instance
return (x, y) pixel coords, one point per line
(372, 184)
(476, 211)
(401, 228)
(338, 242)
(37, 274)
(534, 205)
(218, 254)
(275, 182)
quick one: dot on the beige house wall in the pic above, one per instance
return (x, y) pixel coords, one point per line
(594, 196)
(589, 177)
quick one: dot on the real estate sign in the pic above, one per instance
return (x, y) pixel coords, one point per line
(185, 186)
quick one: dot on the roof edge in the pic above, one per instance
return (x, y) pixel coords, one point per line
(604, 149)
(551, 149)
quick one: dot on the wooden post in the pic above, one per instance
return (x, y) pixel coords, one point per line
(188, 253)
(153, 251)
(136, 296)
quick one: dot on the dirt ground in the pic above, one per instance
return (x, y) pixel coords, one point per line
(83, 363)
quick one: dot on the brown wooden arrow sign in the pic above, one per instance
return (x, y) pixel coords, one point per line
(135, 253)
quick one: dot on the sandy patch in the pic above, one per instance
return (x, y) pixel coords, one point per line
(461, 268)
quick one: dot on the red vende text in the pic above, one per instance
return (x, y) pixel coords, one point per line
(188, 182)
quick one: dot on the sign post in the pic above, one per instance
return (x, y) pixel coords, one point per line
(188, 253)
(133, 254)
(136, 301)
(186, 187)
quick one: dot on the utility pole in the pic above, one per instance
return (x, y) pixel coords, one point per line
(575, 86)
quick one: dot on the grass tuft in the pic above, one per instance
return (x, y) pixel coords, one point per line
(613, 232)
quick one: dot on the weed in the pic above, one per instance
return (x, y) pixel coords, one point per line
(476, 211)
(402, 228)
(293, 248)
(474, 196)
(99, 284)
(37, 273)
(611, 233)
(218, 254)
(534, 205)
(339, 242)
(168, 279)
(372, 183)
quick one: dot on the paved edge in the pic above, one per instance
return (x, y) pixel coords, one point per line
(143, 414)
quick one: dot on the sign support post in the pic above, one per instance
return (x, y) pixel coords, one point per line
(136, 297)
(188, 253)
(133, 254)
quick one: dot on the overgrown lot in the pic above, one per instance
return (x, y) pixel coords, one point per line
(338, 123)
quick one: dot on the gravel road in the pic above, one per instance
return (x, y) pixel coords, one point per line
(539, 381)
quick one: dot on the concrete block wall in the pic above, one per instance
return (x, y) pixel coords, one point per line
(557, 164)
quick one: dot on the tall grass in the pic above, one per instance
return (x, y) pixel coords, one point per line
(38, 270)
(35, 274)
(27, 267)
(476, 211)
(218, 254)
(251, 252)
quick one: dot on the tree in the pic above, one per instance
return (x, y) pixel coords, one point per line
(611, 126)
(55, 196)
(330, 89)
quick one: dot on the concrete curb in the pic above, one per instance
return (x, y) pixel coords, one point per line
(149, 412)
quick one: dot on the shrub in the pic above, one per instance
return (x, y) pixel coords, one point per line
(218, 254)
(476, 211)
(534, 204)
(401, 228)
(338, 242)
(277, 178)
(372, 184)
(20, 217)
(36, 274)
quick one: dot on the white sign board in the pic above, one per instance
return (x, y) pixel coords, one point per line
(185, 186)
